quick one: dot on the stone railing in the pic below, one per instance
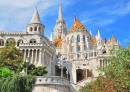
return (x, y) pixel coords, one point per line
(12, 32)
(52, 80)
(31, 44)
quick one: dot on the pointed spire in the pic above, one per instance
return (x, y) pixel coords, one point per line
(51, 38)
(74, 16)
(35, 18)
(60, 17)
(99, 36)
(90, 33)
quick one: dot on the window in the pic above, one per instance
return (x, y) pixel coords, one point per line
(85, 48)
(78, 48)
(78, 55)
(83, 38)
(72, 49)
(31, 29)
(35, 29)
(78, 38)
(39, 28)
(72, 39)
(33, 41)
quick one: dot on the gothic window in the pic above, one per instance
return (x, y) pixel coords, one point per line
(83, 38)
(72, 49)
(72, 39)
(39, 28)
(35, 29)
(78, 38)
(31, 29)
(78, 55)
(78, 48)
(33, 41)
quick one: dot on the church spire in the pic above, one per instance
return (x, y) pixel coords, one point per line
(60, 17)
(74, 16)
(35, 18)
(90, 33)
(51, 38)
(99, 36)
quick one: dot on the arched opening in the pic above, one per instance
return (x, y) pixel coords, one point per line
(39, 28)
(83, 38)
(81, 74)
(31, 29)
(19, 41)
(104, 52)
(35, 28)
(32, 41)
(72, 39)
(10, 40)
(1, 42)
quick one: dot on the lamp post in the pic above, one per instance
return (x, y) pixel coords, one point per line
(85, 56)
(27, 60)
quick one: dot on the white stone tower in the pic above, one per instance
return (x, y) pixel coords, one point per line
(35, 26)
(60, 29)
(99, 40)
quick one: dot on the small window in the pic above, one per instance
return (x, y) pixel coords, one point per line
(72, 39)
(35, 29)
(39, 28)
(78, 55)
(31, 29)
(78, 38)
(83, 38)
(78, 48)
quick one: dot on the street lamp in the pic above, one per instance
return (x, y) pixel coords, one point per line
(85, 56)
(27, 60)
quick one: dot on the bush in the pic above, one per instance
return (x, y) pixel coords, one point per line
(17, 84)
(5, 72)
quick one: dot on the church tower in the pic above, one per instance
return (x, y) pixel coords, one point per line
(60, 29)
(35, 26)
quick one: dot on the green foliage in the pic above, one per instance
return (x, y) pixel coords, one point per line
(115, 77)
(10, 56)
(6, 73)
(32, 69)
(17, 84)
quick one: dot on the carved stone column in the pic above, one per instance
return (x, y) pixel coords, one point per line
(32, 56)
(36, 56)
(24, 54)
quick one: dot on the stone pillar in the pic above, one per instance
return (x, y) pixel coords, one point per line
(36, 56)
(40, 63)
(93, 53)
(24, 54)
(32, 56)
(76, 47)
(29, 53)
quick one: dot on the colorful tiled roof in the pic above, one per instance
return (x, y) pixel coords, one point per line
(94, 41)
(58, 42)
(77, 26)
(113, 39)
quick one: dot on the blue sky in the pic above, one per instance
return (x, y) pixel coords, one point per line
(109, 15)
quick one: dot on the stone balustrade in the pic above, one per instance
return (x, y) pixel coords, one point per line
(31, 44)
(12, 32)
(56, 80)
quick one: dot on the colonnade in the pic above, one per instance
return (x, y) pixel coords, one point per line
(33, 54)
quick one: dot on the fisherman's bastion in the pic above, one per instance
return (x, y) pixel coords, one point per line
(71, 56)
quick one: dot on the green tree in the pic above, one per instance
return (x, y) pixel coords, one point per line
(32, 69)
(6, 73)
(10, 56)
(116, 77)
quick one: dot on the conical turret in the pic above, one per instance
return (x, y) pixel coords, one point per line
(35, 18)
(99, 36)
(60, 17)
(51, 38)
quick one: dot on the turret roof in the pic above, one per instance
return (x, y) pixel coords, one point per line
(77, 26)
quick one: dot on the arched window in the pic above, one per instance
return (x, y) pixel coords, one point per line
(1, 42)
(72, 39)
(35, 29)
(72, 49)
(31, 29)
(32, 41)
(78, 48)
(39, 28)
(78, 38)
(10, 40)
(19, 41)
(83, 38)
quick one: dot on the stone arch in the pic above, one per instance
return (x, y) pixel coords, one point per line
(19, 41)
(1, 42)
(33, 41)
(9, 40)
